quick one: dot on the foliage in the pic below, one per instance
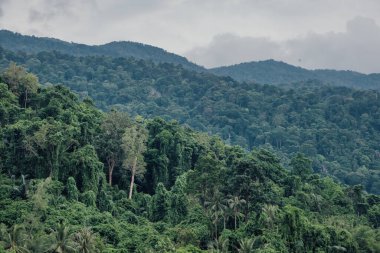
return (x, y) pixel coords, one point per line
(197, 194)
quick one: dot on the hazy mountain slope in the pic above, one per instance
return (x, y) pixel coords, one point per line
(275, 72)
(31, 44)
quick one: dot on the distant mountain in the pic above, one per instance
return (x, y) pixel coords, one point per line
(266, 72)
(32, 44)
(276, 72)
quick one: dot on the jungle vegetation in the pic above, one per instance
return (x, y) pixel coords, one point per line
(67, 170)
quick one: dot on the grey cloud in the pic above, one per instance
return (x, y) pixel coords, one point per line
(356, 49)
(2, 3)
(47, 10)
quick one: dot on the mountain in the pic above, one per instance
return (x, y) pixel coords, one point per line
(278, 73)
(32, 44)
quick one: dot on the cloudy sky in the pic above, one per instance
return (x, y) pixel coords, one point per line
(339, 34)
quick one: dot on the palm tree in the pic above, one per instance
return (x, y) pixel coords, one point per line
(63, 242)
(270, 212)
(38, 243)
(85, 241)
(246, 245)
(217, 208)
(218, 246)
(14, 239)
(235, 203)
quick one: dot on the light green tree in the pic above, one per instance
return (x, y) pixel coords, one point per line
(134, 146)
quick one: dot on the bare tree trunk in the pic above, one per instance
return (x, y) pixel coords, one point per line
(111, 165)
(133, 178)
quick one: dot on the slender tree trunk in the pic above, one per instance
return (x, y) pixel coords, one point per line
(133, 178)
(235, 219)
(111, 165)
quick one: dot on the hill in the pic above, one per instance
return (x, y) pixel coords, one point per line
(337, 127)
(32, 44)
(279, 73)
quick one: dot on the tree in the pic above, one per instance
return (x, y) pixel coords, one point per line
(53, 139)
(218, 245)
(374, 215)
(88, 169)
(134, 146)
(301, 165)
(218, 208)
(246, 245)
(86, 241)
(72, 190)
(21, 83)
(13, 239)
(110, 140)
(235, 203)
(62, 240)
(270, 212)
(160, 203)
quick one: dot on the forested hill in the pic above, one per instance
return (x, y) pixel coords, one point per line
(339, 128)
(31, 44)
(265, 72)
(280, 73)
(75, 179)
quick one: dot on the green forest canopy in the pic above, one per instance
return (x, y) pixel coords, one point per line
(337, 127)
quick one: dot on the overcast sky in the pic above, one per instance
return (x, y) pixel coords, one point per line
(339, 34)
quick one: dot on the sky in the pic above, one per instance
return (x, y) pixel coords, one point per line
(327, 34)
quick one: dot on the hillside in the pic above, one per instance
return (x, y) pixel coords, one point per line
(335, 126)
(31, 44)
(279, 73)
(66, 169)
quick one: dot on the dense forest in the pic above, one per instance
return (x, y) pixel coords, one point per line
(337, 127)
(76, 179)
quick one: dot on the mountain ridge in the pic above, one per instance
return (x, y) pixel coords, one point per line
(284, 73)
(267, 71)
(33, 44)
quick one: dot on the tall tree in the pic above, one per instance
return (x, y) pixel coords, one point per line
(134, 146)
(110, 140)
(235, 203)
